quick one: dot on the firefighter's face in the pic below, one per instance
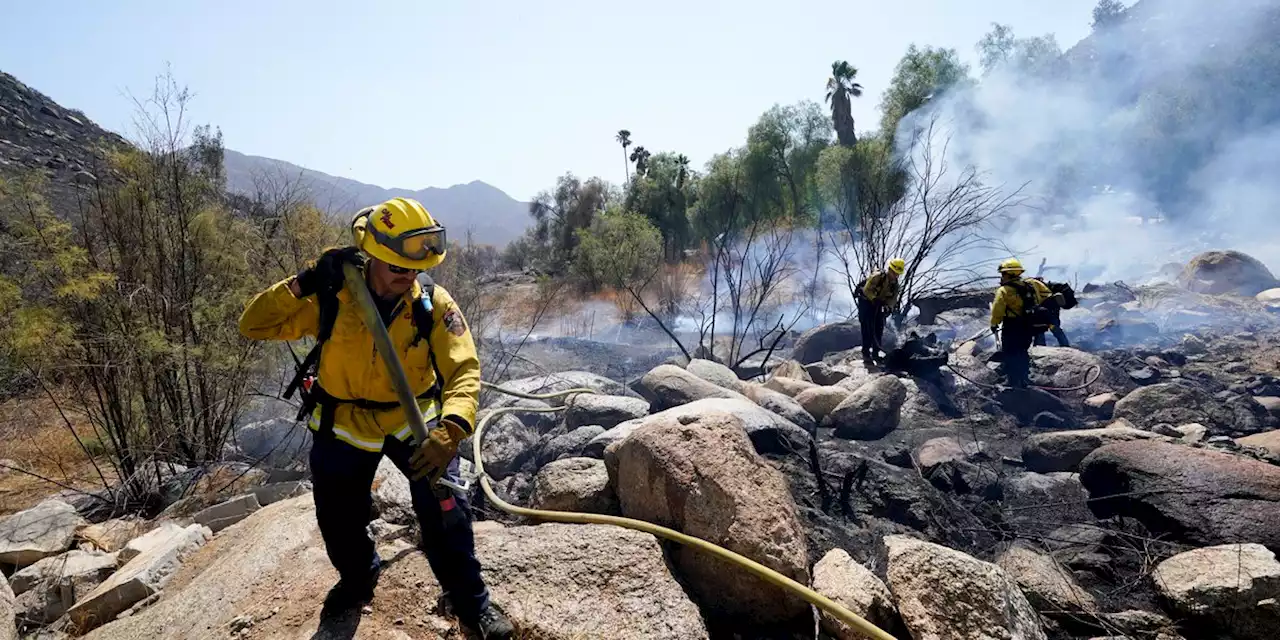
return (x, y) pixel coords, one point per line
(388, 283)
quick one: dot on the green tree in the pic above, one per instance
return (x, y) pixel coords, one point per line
(1037, 56)
(782, 151)
(1107, 13)
(840, 88)
(922, 75)
(624, 139)
(641, 157)
(559, 213)
(663, 194)
(618, 250)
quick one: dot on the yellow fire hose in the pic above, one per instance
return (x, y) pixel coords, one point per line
(382, 340)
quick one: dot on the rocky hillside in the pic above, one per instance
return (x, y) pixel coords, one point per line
(37, 134)
(1136, 494)
(490, 214)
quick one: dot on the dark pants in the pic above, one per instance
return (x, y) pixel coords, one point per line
(342, 479)
(1015, 341)
(871, 319)
(1058, 334)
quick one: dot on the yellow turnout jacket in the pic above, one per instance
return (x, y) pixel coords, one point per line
(350, 367)
(880, 289)
(1008, 303)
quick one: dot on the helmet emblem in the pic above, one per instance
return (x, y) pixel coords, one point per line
(386, 219)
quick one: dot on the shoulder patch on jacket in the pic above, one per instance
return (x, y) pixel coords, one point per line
(454, 323)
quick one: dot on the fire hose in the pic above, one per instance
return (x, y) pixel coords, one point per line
(382, 341)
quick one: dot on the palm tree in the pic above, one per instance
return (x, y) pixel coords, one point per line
(641, 157)
(624, 139)
(682, 171)
(840, 86)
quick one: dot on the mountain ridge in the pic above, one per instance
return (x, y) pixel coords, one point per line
(492, 216)
(37, 134)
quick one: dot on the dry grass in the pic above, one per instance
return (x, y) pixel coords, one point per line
(34, 438)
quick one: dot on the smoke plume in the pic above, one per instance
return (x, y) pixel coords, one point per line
(1150, 141)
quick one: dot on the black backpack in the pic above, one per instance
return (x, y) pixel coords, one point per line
(305, 375)
(1034, 313)
(1065, 289)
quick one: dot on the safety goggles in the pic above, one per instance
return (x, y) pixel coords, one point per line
(414, 245)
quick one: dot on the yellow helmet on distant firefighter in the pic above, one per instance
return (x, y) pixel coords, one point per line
(1011, 266)
(400, 232)
(898, 266)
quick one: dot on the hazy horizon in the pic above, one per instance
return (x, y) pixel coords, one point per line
(403, 95)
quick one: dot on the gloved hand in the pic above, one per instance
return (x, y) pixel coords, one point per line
(432, 456)
(326, 273)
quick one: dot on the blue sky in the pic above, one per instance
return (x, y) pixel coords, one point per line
(404, 93)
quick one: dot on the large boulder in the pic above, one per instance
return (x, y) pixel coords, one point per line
(1269, 440)
(819, 402)
(944, 594)
(667, 386)
(391, 494)
(565, 581)
(1035, 503)
(607, 411)
(1217, 272)
(1199, 496)
(44, 530)
(508, 444)
(814, 344)
(46, 588)
(936, 451)
(140, 578)
(839, 577)
(1029, 406)
(1049, 587)
(790, 387)
(574, 484)
(1064, 368)
(1233, 588)
(1177, 403)
(556, 382)
(278, 442)
(871, 412)
(1064, 450)
(768, 431)
(112, 535)
(715, 373)
(793, 370)
(568, 445)
(225, 514)
(8, 623)
(781, 404)
(698, 473)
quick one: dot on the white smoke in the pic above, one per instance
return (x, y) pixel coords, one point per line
(1080, 146)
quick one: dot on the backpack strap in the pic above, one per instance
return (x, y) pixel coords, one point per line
(328, 302)
(424, 320)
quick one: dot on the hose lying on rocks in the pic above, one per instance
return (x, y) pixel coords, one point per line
(773, 577)
(1096, 372)
(382, 341)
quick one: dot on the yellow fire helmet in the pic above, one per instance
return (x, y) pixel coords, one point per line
(1012, 265)
(400, 232)
(898, 265)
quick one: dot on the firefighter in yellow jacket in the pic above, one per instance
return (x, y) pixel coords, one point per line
(357, 418)
(877, 297)
(1018, 314)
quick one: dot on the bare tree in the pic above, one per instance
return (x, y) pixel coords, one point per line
(943, 227)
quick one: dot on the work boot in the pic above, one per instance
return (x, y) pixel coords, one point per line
(492, 624)
(352, 593)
